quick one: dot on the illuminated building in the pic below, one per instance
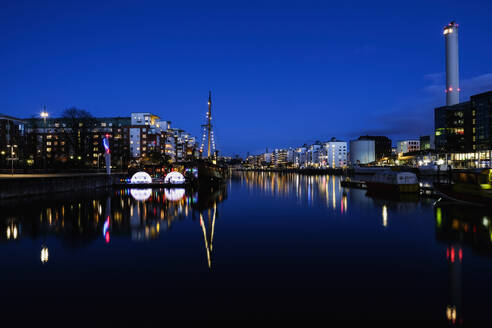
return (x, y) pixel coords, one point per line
(282, 157)
(12, 132)
(333, 154)
(464, 131)
(145, 134)
(407, 146)
(428, 142)
(53, 138)
(300, 156)
(267, 157)
(51, 141)
(313, 155)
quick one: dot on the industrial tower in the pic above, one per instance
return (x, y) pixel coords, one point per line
(452, 64)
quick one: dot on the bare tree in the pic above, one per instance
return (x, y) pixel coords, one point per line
(78, 125)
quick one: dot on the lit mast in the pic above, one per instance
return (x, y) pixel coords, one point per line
(209, 124)
(207, 129)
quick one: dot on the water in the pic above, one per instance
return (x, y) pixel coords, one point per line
(263, 246)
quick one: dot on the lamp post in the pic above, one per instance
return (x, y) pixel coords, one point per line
(44, 115)
(12, 158)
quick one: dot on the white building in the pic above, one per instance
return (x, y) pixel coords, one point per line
(333, 154)
(143, 134)
(407, 146)
(300, 157)
(313, 153)
(267, 157)
(362, 151)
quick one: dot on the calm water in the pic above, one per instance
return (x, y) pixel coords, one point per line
(263, 246)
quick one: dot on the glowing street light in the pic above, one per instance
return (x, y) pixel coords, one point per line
(44, 114)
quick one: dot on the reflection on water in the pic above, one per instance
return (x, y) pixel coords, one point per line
(459, 227)
(304, 236)
(307, 190)
(81, 219)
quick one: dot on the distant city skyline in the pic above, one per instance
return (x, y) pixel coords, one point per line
(282, 74)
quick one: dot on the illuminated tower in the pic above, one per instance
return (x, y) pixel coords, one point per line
(452, 64)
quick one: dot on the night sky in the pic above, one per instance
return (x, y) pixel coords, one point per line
(282, 73)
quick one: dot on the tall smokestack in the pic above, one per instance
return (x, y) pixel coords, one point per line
(452, 64)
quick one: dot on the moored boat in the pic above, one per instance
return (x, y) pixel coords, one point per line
(393, 181)
(210, 172)
(473, 187)
(433, 169)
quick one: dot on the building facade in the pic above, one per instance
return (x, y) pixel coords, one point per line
(12, 138)
(382, 146)
(463, 132)
(333, 154)
(428, 142)
(408, 146)
(77, 141)
(362, 151)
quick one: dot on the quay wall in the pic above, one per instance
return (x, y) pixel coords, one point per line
(46, 184)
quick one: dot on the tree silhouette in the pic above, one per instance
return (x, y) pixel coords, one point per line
(78, 124)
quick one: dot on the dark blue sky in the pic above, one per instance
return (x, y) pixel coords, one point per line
(282, 73)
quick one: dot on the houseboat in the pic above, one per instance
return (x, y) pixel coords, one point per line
(393, 181)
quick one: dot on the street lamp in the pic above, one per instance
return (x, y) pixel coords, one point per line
(44, 115)
(12, 158)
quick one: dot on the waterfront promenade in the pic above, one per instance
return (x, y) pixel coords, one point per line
(22, 185)
(46, 175)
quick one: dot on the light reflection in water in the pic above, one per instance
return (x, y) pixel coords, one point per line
(458, 227)
(307, 190)
(44, 254)
(78, 221)
(174, 194)
(385, 216)
(137, 214)
(141, 194)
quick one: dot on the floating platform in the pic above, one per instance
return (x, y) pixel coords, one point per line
(354, 184)
(424, 191)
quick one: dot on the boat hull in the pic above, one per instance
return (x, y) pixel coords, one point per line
(209, 173)
(389, 187)
(472, 197)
